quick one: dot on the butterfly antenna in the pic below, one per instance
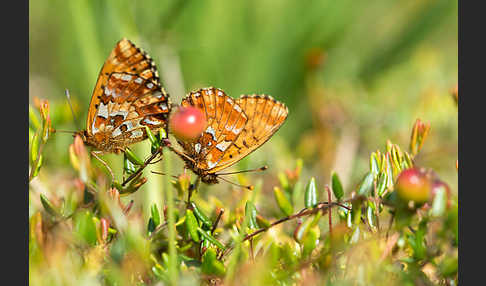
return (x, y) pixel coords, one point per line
(68, 96)
(245, 171)
(250, 187)
(164, 174)
(64, 131)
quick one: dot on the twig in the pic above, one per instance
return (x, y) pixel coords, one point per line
(157, 229)
(215, 224)
(145, 164)
(304, 212)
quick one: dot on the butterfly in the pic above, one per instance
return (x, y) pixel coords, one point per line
(126, 98)
(234, 129)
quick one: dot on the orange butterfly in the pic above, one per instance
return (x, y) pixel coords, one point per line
(235, 128)
(127, 97)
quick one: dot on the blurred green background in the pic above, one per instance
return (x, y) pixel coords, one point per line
(353, 73)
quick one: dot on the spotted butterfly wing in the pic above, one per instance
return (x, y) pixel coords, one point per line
(225, 121)
(234, 129)
(265, 116)
(127, 97)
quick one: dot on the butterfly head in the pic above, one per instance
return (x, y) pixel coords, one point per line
(209, 179)
(82, 134)
(88, 140)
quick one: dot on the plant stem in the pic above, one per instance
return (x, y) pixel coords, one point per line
(171, 224)
(303, 212)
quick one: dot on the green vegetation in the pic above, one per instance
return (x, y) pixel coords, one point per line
(371, 89)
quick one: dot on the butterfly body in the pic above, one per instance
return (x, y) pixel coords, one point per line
(234, 129)
(126, 98)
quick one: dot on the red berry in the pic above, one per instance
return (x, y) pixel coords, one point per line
(187, 123)
(413, 185)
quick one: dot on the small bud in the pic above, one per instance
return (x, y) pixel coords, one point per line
(79, 148)
(187, 123)
(420, 131)
(104, 226)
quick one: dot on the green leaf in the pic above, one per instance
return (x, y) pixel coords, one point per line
(302, 230)
(273, 254)
(381, 187)
(48, 206)
(128, 166)
(201, 216)
(396, 158)
(192, 225)
(262, 221)
(210, 265)
(389, 171)
(356, 211)
(132, 157)
(282, 201)
(297, 192)
(408, 161)
(34, 149)
(152, 138)
(160, 273)
(151, 225)
(162, 134)
(290, 254)
(337, 187)
(33, 118)
(37, 168)
(85, 227)
(374, 165)
(370, 216)
(151, 135)
(311, 241)
(366, 185)
(284, 182)
(251, 213)
(155, 214)
(210, 238)
(310, 199)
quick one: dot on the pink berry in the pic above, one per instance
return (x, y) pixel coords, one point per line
(413, 185)
(187, 123)
(436, 186)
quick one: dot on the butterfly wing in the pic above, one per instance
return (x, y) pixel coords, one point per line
(124, 58)
(225, 121)
(265, 116)
(128, 103)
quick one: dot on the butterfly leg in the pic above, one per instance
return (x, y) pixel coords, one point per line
(192, 188)
(145, 164)
(95, 154)
(180, 154)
